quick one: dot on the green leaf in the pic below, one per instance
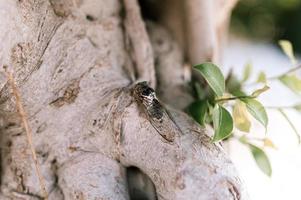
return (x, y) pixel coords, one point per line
(243, 139)
(261, 159)
(233, 85)
(200, 93)
(240, 117)
(213, 76)
(247, 72)
(287, 48)
(267, 142)
(298, 107)
(256, 110)
(208, 119)
(291, 81)
(222, 123)
(198, 111)
(258, 92)
(262, 78)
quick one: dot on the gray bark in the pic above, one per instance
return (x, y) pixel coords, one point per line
(74, 63)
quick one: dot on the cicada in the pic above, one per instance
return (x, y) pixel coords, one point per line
(156, 113)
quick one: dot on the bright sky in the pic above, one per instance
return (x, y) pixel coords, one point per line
(285, 182)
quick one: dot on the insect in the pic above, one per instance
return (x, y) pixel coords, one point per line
(158, 117)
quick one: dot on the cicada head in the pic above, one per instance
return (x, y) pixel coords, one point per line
(143, 93)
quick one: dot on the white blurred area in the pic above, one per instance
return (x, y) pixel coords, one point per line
(285, 182)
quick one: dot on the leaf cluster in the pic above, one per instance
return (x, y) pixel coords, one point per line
(224, 104)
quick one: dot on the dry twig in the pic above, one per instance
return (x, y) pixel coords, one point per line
(25, 123)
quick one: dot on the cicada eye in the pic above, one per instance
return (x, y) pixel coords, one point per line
(147, 91)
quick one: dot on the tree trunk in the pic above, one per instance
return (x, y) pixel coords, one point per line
(75, 64)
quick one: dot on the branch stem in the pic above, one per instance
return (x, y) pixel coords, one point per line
(290, 123)
(232, 98)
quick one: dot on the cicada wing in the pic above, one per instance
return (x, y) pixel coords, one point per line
(165, 127)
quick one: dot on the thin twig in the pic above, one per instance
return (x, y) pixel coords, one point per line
(248, 138)
(233, 98)
(272, 78)
(23, 116)
(287, 72)
(290, 123)
(281, 107)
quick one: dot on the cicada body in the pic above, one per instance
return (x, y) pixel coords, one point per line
(158, 117)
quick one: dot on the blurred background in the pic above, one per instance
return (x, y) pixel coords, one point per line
(268, 20)
(256, 27)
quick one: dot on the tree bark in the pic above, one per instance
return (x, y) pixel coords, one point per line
(74, 63)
